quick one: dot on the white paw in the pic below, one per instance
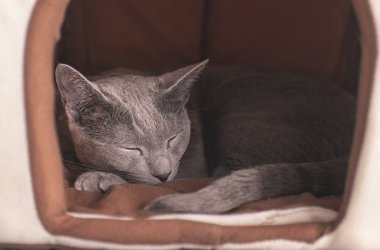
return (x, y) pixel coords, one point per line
(97, 181)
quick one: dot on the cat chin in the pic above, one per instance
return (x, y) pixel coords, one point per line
(150, 181)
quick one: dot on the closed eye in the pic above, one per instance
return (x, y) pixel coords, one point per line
(171, 140)
(137, 150)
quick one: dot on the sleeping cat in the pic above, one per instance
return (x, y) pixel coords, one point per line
(263, 135)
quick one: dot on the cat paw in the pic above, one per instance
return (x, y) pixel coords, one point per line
(185, 203)
(97, 181)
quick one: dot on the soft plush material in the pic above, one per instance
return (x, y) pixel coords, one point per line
(130, 200)
(300, 217)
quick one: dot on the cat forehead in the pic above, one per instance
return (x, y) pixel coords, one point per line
(147, 127)
(129, 88)
(134, 96)
(130, 83)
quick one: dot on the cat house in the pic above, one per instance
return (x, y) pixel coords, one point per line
(335, 41)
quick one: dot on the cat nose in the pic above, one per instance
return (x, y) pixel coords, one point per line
(162, 169)
(163, 178)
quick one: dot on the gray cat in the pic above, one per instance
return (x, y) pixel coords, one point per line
(263, 135)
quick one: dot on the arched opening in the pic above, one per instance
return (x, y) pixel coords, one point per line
(84, 46)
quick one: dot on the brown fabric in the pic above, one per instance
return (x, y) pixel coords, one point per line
(367, 68)
(129, 200)
(289, 35)
(138, 34)
(46, 167)
(280, 35)
(48, 178)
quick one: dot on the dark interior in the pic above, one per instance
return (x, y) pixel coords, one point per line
(317, 38)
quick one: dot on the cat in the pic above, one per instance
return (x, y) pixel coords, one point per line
(261, 134)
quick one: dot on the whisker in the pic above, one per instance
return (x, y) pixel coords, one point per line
(75, 165)
(85, 168)
(197, 109)
(187, 160)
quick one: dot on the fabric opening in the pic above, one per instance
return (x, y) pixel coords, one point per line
(150, 36)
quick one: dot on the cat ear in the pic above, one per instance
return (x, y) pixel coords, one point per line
(176, 86)
(79, 95)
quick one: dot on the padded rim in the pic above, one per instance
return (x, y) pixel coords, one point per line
(46, 166)
(359, 225)
(366, 82)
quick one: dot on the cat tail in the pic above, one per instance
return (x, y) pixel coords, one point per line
(257, 183)
(272, 180)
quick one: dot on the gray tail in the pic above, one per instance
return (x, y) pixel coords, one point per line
(260, 182)
(273, 180)
(319, 178)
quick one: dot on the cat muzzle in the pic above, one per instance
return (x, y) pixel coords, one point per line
(161, 168)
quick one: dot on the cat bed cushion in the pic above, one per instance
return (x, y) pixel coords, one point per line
(130, 199)
(127, 221)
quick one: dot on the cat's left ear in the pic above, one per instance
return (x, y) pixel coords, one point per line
(176, 86)
(80, 96)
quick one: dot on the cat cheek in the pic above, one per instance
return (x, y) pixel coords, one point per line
(176, 149)
(133, 163)
(138, 161)
(133, 159)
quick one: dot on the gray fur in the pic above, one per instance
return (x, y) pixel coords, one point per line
(261, 182)
(130, 123)
(266, 134)
(97, 181)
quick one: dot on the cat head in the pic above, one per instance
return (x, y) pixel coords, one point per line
(131, 123)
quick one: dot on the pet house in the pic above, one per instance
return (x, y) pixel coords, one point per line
(330, 40)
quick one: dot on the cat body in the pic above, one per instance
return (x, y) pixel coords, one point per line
(263, 134)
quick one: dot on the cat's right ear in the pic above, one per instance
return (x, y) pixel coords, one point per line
(78, 94)
(175, 86)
